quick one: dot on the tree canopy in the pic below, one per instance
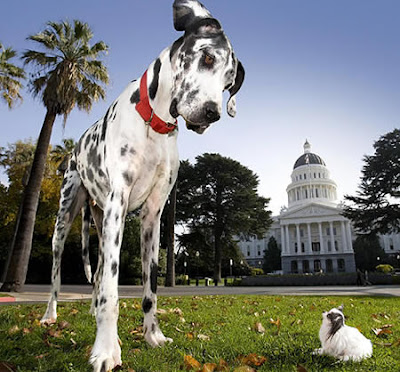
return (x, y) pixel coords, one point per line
(376, 208)
(217, 199)
(272, 256)
(10, 77)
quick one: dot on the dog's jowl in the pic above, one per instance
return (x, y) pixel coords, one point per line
(129, 160)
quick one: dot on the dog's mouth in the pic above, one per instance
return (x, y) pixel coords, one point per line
(197, 127)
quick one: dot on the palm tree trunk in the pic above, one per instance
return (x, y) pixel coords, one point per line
(170, 277)
(18, 268)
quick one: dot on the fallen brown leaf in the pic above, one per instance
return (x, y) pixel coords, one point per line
(300, 368)
(258, 327)
(209, 367)
(13, 330)
(191, 363)
(7, 367)
(244, 369)
(252, 360)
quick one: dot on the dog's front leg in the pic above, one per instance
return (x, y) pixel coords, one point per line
(106, 353)
(150, 241)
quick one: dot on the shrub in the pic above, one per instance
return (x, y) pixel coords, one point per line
(386, 269)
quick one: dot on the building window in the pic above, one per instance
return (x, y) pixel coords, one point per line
(316, 246)
(302, 233)
(258, 250)
(334, 231)
(295, 247)
(336, 246)
(328, 231)
(302, 247)
(248, 253)
(306, 266)
(306, 193)
(329, 246)
(329, 266)
(300, 177)
(341, 265)
(305, 176)
(317, 266)
(315, 176)
(293, 267)
(316, 193)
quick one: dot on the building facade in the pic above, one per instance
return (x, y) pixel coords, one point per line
(312, 233)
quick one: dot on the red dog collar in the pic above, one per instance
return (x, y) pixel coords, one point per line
(147, 113)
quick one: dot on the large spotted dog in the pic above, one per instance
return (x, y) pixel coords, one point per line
(129, 159)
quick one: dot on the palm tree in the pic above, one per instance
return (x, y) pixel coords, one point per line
(10, 76)
(68, 74)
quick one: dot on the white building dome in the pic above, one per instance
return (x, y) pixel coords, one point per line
(311, 181)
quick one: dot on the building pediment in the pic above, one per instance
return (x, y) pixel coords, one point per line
(311, 210)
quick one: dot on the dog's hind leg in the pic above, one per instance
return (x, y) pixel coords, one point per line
(86, 217)
(73, 195)
(97, 214)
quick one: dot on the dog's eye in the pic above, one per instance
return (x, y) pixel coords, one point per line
(208, 60)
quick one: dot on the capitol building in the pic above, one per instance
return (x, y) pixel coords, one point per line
(311, 232)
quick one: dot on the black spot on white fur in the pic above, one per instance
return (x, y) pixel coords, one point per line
(146, 305)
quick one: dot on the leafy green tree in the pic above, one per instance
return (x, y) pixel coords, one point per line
(68, 75)
(217, 198)
(367, 249)
(376, 208)
(10, 77)
(272, 256)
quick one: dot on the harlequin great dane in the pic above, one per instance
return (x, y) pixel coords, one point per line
(129, 160)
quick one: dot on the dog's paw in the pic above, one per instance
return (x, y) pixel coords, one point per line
(105, 357)
(50, 317)
(157, 339)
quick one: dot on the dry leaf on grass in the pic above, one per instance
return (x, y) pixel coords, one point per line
(13, 330)
(7, 367)
(381, 331)
(244, 369)
(258, 327)
(252, 360)
(209, 367)
(300, 368)
(191, 363)
(203, 337)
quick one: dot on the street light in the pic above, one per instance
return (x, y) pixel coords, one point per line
(230, 266)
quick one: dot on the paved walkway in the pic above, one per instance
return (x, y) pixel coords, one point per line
(40, 293)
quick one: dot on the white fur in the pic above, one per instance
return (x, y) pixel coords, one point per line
(348, 343)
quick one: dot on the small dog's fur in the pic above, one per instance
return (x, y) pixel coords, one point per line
(341, 341)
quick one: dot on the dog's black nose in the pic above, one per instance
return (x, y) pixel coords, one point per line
(211, 111)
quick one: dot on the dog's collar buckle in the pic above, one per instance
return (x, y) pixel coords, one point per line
(147, 113)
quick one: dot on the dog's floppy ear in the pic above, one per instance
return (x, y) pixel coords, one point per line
(188, 11)
(231, 105)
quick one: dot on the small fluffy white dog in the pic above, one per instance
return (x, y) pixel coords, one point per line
(341, 341)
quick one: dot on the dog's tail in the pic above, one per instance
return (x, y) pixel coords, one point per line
(86, 218)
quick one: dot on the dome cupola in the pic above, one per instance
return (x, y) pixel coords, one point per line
(311, 181)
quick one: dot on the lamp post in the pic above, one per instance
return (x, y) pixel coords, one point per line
(230, 266)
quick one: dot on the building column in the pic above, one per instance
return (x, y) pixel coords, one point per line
(321, 238)
(289, 248)
(309, 238)
(298, 238)
(344, 236)
(283, 240)
(349, 239)
(332, 236)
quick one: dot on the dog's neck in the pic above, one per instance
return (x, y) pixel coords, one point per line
(162, 100)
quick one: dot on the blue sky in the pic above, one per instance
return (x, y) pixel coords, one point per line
(326, 71)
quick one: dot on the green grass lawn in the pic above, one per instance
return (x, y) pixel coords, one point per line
(268, 333)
